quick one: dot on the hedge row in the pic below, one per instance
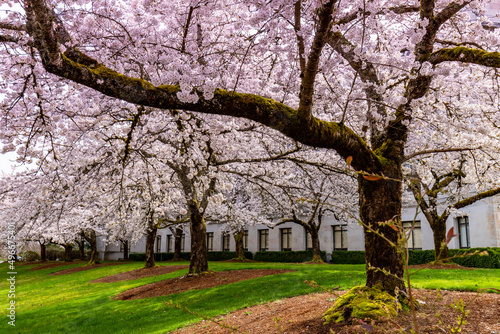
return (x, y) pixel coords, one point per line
(477, 261)
(290, 256)
(211, 256)
(492, 260)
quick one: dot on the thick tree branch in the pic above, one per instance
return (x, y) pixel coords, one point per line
(468, 201)
(300, 37)
(10, 26)
(311, 68)
(465, 55)
(78, 67)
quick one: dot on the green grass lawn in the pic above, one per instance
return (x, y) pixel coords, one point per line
(70, 304)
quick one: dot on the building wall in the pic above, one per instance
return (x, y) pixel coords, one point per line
(483, 217)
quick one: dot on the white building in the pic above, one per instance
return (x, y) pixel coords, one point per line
(478, 225)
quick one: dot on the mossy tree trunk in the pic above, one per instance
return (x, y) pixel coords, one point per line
(67, 252)
(150, 244)
(199, 261)
(177, 244)
(81, 246)
(380, 212)
(316, 246)
(91, 238)
(125, 249)
(238, 240)
(43, 252)
(440, 245)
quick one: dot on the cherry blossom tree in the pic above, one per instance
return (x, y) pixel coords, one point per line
(442, 192)
(352, 77)
(316, 193)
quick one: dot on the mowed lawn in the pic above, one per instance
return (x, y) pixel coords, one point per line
(71, 304)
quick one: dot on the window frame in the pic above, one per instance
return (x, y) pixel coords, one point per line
(467, 231)
(412, 238)
(264, 233)
(210, 241)
(286, 232)
(245, 240)
(308, 239)
(342, 230)
(169, 243)
(158, 244)
(226, 238)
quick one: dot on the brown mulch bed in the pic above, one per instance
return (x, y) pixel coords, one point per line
(83, 268)
(54, 265)
(303, 315)
(139, 273)
(186, 283)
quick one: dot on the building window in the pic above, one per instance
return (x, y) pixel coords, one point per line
(225, 241)
(169, 244)
(463, 232)
(158, 243)
(415, 237)
(286, 239)
(210, 241)
(309, 241)
(340, 237)
(263, 240)
(183, 241)
(245, 240)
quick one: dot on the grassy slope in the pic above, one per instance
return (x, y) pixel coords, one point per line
(70, 304)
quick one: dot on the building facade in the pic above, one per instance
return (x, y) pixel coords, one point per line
(477, 225)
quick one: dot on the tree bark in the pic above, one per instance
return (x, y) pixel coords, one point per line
(177, 244)
(439, 233)
(380, 202)
(125, 249)
(150, 246)
(81, 246)
(67, 252)
(240, 251)
(43, 252)
(92, 240)
(199, 261)
(316, 246)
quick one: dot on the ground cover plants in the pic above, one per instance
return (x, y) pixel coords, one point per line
(71, 303)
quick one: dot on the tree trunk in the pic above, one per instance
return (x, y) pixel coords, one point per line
(199, 261)
(379, 202)
(81, 246)
(316, 246)
(177, 244)
(92, 240)
(125, 250)
(67, 252)
(439, 233)
(150, 246)
(240, 251)
(43, 252)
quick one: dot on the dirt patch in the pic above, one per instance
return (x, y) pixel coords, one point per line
(303, 315)
(185, 283)
(54, 265)
(440, 266)
(139, 273)
(83, 268)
